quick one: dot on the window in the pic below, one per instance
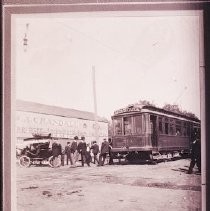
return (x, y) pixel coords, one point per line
(127, 125)
(172, 127)
(160, 125)
(188, 129)
(138, 127)
(166, 127)
(178, 128)
(117, 126)
(184, 129)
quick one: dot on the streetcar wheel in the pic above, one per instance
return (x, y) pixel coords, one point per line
(153, 162)
(54, 162)
(24, 161)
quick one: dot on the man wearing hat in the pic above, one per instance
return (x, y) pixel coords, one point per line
(104, 152)
(73, 150)
(195, 154)
(95, 151)
(56, 152)
(82, 149)
(56, 149)
(67, 151)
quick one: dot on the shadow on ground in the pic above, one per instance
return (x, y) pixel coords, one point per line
(185, 170)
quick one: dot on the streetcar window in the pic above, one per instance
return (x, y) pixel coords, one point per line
(143, 123)
(138, 125)
(117, 126)
(188, 129)
(184, 129)
(166, 128)
(160, 125)
(178, 128)
(151, 127)
(172, 127)
(127, 125)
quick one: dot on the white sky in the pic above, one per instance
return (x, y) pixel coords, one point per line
(136, 57)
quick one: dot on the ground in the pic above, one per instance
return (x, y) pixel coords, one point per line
(165, 186)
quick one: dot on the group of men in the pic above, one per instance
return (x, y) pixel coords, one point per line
(75, 149)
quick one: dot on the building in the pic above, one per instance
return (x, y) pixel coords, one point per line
(63, 123)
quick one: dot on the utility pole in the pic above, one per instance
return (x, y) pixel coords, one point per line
(95, 105)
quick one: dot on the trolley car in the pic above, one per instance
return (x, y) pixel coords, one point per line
(143, 132)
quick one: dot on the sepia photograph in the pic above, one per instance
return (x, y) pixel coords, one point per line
(107, 106)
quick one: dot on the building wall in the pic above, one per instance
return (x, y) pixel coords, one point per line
(29, 123)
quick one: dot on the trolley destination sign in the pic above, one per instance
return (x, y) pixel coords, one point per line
(127, 109)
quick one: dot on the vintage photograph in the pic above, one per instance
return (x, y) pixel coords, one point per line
(106, 110)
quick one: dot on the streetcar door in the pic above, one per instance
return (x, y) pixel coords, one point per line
(153, 126)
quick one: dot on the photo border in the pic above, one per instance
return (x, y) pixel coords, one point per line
(12, 7)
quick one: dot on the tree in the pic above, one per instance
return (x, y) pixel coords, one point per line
(175, 108)
(146, 103)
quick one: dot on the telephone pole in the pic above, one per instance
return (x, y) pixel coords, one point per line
(95, 105)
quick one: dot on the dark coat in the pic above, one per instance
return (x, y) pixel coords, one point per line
(105, 147)
(95, 149)
(82, 147)
(56, 149)
(196, 150)
(73, 146)
(88, 157)
(67, 149)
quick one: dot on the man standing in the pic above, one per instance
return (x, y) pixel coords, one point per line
(95, 151)
(110, 152)
(68, 153)
(82, 149)
(195, 156)
(73, 150)
(56, 149)
(56, 153)
(88, 157)
(104, 152)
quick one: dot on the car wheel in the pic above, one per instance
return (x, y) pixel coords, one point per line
(24, 161)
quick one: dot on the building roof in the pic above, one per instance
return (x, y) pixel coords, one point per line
(27, 106)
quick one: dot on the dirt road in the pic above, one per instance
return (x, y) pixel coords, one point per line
(164, 186)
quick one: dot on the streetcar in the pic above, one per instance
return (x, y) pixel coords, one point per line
(145, 132)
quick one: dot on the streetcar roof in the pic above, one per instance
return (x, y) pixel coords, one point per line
(170, 116)
(138, 109)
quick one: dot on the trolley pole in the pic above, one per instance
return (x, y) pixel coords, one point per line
(95, 104)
